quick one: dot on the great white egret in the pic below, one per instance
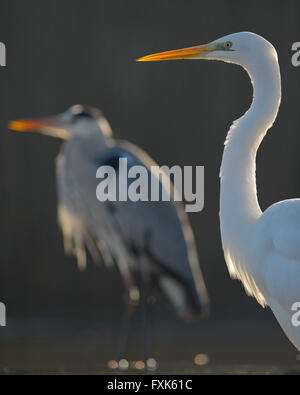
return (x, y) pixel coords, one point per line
(262, 249)
(150, 240)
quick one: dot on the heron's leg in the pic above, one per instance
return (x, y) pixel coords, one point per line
(145, 277)
(131, 300)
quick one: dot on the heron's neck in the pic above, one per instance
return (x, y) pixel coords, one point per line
(239, 206)
(94, 144)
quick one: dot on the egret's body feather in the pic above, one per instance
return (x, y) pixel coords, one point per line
(261, 249)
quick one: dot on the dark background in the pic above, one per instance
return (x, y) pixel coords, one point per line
(66, 52)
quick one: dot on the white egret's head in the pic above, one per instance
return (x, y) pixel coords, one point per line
(77, 121)
(240, 48)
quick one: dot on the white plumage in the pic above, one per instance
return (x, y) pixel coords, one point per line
(261, 249)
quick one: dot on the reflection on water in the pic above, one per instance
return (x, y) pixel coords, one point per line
(221, 345)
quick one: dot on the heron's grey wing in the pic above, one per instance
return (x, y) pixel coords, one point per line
(161, 230)
(71, 214)
(85, 221)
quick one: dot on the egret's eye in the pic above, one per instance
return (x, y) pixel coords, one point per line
(228, 44)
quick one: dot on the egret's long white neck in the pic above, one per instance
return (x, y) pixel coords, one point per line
(239, 206)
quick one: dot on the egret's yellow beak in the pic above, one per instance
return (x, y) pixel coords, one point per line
(183, 53)
(30, 125)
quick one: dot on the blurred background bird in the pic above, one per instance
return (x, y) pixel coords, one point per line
(151, 242)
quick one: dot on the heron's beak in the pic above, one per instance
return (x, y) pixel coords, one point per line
(183, 53)
(30, 125)
(49, 126)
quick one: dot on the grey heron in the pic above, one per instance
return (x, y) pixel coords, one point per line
(151, 238)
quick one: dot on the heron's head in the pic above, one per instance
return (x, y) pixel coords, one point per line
(243, 49)
(77, 121)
